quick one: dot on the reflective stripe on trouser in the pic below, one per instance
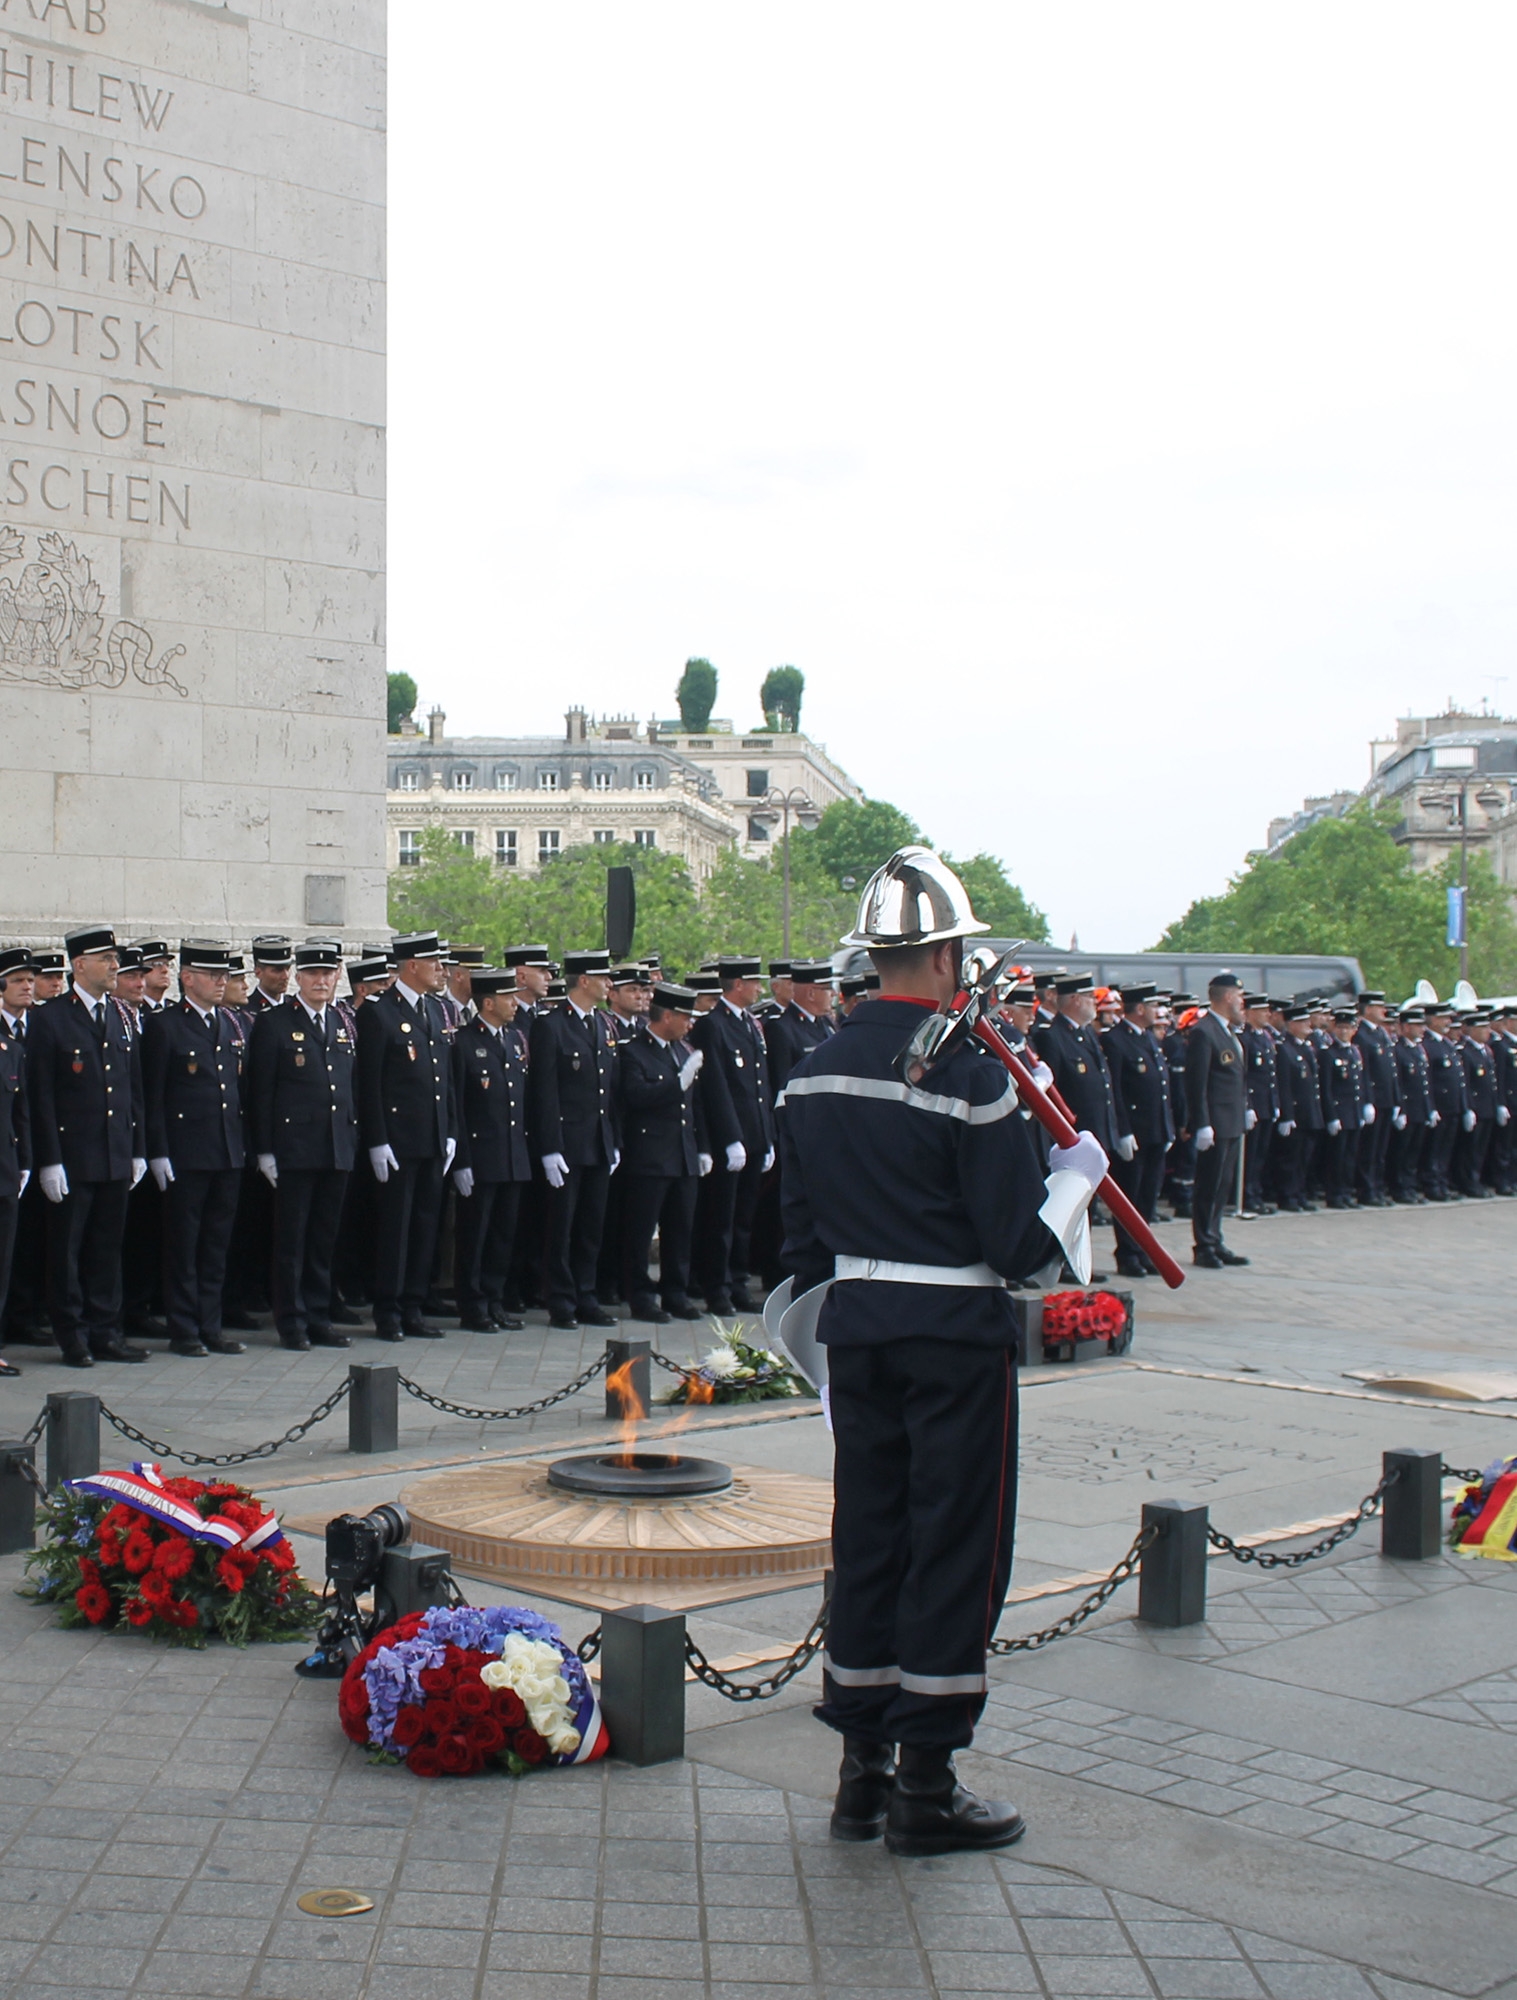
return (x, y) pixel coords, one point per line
(925, 1485)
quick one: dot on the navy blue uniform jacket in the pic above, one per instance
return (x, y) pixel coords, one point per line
(1259, 1054)
(1139, 1085)
(1446, 1068)
(735, 1081)
(789, 1035)
(946, 1175)
(490, 1089)
(1378, 1048)
(1299, 1084)
(1216, 1088)
(1414, 1082)
(85, 1084)
(1344, 1094)
(1479, 1077)
(663, 1127)
(405, 1080)
(302, 1094)
(192, 1089)
(1080, 1076)
(15, 1117)
(571, 1087)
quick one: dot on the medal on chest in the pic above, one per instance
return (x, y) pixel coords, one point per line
(77, 1065)
(193, 1065)
(738, 1060)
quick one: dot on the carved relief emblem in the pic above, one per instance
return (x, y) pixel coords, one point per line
(52, 631)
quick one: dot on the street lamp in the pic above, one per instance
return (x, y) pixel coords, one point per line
(774, 809)
(1488, 799)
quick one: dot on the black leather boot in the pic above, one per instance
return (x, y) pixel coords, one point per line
(866, 1778)
(932, 1813)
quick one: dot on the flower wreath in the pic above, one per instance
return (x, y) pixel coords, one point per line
(1082, 1316)
(1485, 1515)
(451, 1690)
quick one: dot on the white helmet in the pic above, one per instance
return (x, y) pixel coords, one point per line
(914, 899)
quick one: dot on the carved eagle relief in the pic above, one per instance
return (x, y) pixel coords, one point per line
(51, 623)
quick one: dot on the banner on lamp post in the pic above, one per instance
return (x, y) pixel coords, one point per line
(1456, 935)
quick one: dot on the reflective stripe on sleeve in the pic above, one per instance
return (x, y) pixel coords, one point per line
(884, 1091)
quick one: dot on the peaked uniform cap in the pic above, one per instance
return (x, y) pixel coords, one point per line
(272, 950)
(674, 999)
(98, 937)
(417, 944)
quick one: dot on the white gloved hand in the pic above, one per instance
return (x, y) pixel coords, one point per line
(384, 1163)
(705, 1163)
(139, 1168)
(1127, 1145)
(1206, 1138)
(463, 1180)
(26, 1174)
(268, 1166)
(450, 1147)
(1042, 1075)
(1398, 1119)
(1367, 1115)
(768, 1159)
(1470, 1121)
(162, 1171)
(1503, 1115)
(616, 1159)
(737, 1157)
(556, 1167)
(692, 1069)
(54, 1182)
(1285, 1127)
(1086, 1157)
(1250, 1119)
(1432, 1120)
(1334, 1127)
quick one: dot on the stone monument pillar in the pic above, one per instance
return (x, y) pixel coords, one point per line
(192, 697)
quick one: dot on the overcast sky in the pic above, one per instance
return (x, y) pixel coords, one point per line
(1110, 409)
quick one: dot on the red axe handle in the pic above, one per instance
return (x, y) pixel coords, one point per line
(1062, 1131)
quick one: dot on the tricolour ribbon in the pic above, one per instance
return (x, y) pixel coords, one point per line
(143, 1489)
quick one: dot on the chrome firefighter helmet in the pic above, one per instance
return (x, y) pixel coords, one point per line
(914, 899)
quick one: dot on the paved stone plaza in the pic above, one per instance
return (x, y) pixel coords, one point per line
(1314, 1795)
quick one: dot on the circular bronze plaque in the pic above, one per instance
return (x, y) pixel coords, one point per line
(333, 1902)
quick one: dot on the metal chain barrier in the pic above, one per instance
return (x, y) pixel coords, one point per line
(31, 1475)
(589, 1647)
(1470, 1478)
(491, 1416)
(225, 1458)
(1088, 1607)
(674, 1367)
(1368, 1507)
(37, 1428)
(794, 1663)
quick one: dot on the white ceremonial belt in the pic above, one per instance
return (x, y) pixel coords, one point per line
(916, 1274)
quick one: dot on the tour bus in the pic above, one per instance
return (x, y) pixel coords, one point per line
(1279, 974)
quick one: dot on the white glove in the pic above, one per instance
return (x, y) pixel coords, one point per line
(139, 1168)
(768, 1159)
(1334, 1127)
(1285, 1127)
(26, 1174)
(1398, 1119)
(1127, 1145)
(692, 1069)
(1042, 1075)
(1503, 1115)
(705, 1163)
(1470, 1121)
(1432, 1120)
(556, 1167)
(737, 1157)
(450, 1147)
(616, 1159)
(1250, 1119)
(1086, 1157)
(1367, 1115)
(1206, 1138)
(384, 1163)
(268, 1166)
(54, 1182)
(162, 1171)
(463, 1180)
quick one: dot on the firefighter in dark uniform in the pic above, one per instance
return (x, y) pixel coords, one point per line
(532, 966)
(85, 1083)
(740, 1121)
(1446, 1068)
(1300, 1122)
(25, 1321)
(15, 1143)
(493, 1162)
(1501, 1160)
(1216, 1095)
(358, 1226)
(1345, 1099)
(192, 1085)
(1259, 1050)
(1072, 1050)
(572, 1118)
(303, 1123)
(1145, 1122)
(1415, 1112)
(1481, 1106)
(250, 1267)
(406, 1126)
(1377, 1047)
(664, 1154)
(1180, 1162)
(624, 1019)
(791, 1030)
(914, 1203)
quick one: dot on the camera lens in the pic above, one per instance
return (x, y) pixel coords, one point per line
(391, 1523)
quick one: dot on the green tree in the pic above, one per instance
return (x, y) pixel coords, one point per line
(998, 901)
(402, 699)
(1345, 886)
(780, 698)
(696, 695)
(855, 837)
(743, 908)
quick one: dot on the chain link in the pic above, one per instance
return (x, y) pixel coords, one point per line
(1087, 1607)
(1368, 1507)
(794, 1663)
(30, 1474)
(224, 1458)
(38, 1427)
(589, 1647)
(491, 1416)
(1470, 1478)
(674, 1367)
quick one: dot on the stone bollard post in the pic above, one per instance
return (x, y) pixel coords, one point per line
(642, 1683)
(1411, 1517)
(73, 1435)
(373, 1407)
(1172, 1573)
(18, 1496)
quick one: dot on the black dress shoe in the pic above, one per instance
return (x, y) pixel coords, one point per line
(507, 1322)
(7, 1369)
(564, 1325)
(118, 1350)
(30, 1336)
(1207, 1260)
(682, 1309)
(743, 1300)
(650, 1312)
(1231, 1257)
(1130, 1270)
(144, 1327)
(345, 1316)
(217, 1343)
(78, 1357)
(483, 1324)
(240, 1321)
(594, 1316)
(721, 1308)
(326, 1336)
(388, 1333)
(191, 1348)
(295, 1343)
(866, 1780)
(420, 1329)
(930, 1812)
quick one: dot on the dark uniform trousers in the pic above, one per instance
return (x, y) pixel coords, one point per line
(198, 1211)
(84, 1233)
(1369, 1166)
(1340, 1157)
(486, 1236)
(728, 1205)
(1470, 1149)
(10, 1206)
(912, 1538)
(1216, 1184)
(308, 1206)
(409, 1205)
(1438, 1156)
(1257, 1147)
(576, 1221)
(1403, 1160)
(1140, 1179)
(665, 1203)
